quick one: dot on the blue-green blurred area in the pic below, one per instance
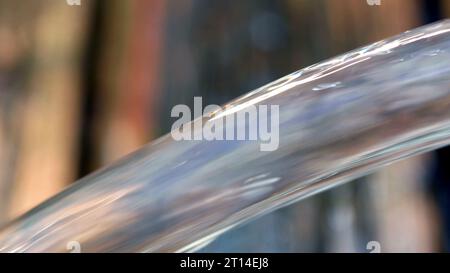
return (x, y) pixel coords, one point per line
(83, 85)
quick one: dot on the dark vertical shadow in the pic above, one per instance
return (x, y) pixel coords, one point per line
(431, 11)
(439, 173)
(87, 155)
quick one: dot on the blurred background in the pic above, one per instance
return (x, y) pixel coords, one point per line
(83, 85)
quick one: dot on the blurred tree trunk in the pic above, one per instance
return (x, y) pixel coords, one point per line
(41, 88)
(127, 79)
(446, 8)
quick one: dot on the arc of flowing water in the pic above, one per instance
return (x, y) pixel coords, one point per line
(338, 120)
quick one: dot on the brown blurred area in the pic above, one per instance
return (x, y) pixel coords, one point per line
(65, 70)
(81, 86)
(41, 46)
